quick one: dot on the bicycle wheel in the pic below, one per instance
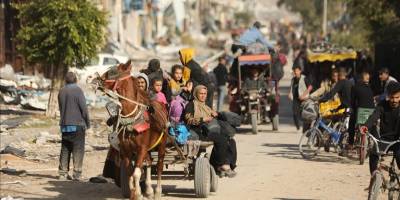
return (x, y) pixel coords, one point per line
(393, 194)
(344, 136)
(375, 185)
(393, 188)
(310, 143)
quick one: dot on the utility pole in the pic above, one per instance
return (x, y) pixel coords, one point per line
(324, 18)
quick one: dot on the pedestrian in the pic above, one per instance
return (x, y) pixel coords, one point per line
(300, 88)
(385, 80)
(221, 73)
(343, 87)
(362, 97)
(327, 85)
(74, 120)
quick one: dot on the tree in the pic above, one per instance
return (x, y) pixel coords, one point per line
(366, 23)
(60, 34)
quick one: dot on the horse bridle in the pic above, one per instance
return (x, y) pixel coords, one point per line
(114, 95)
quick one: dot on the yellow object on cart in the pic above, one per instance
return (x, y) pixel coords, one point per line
(332, 57)
(326, 107)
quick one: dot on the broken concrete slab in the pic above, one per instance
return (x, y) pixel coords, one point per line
(13, 150)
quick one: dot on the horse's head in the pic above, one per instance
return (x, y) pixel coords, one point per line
(118, 79)
(114, 76)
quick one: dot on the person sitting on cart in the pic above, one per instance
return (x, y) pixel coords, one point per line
(252, 36)
(202, 119)
(388, 112)
(177, 83)
(254, 82)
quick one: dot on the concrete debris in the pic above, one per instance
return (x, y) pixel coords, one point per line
(13, 150)
(15, 172)
(45, 137)
(11, 198)
(13, 122)
(7, 72)
(29, 91)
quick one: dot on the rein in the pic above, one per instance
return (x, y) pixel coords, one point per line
(114, 95)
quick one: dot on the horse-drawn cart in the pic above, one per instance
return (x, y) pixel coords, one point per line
(139, 140)
(195, 166)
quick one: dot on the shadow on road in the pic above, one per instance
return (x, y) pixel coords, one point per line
(291, 151)
(80, 190)
(280, 198)
(173, 191)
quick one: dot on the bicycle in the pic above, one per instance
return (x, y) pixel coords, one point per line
(378, 181)
(361, 139)
(312, 140)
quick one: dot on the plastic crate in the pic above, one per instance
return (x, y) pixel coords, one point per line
(363, 115)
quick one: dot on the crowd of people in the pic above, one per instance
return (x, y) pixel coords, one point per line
(188, 90)
(353, 93)
(188, 93)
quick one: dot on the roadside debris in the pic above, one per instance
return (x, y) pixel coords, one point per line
(14, 151)
(15, 172)
(11, 198)
(99, 179)
(45, 137)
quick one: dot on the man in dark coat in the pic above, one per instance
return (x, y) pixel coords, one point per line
(74, 120)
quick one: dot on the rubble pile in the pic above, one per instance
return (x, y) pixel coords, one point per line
(31, 92)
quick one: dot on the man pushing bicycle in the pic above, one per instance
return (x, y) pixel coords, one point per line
(388, 112)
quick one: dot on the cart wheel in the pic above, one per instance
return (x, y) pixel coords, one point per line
(275, 122)
(214, 180)
(254, 123)
(124, 182)
(202, 177)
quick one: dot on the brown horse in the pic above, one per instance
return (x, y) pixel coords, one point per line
(135, 104)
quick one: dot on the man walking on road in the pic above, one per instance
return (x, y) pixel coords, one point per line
(221, 74)
(385, 79)
(74, 120)
(300, 89)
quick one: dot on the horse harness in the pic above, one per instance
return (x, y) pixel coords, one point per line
(136, 120)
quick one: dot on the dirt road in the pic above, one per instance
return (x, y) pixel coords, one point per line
(269, 167)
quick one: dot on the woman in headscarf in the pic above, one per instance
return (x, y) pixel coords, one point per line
(198, 116)
(142, 80)
(193, 71)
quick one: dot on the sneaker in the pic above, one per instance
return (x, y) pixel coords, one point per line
(228, 173)
(77, 178)
(63, 177)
